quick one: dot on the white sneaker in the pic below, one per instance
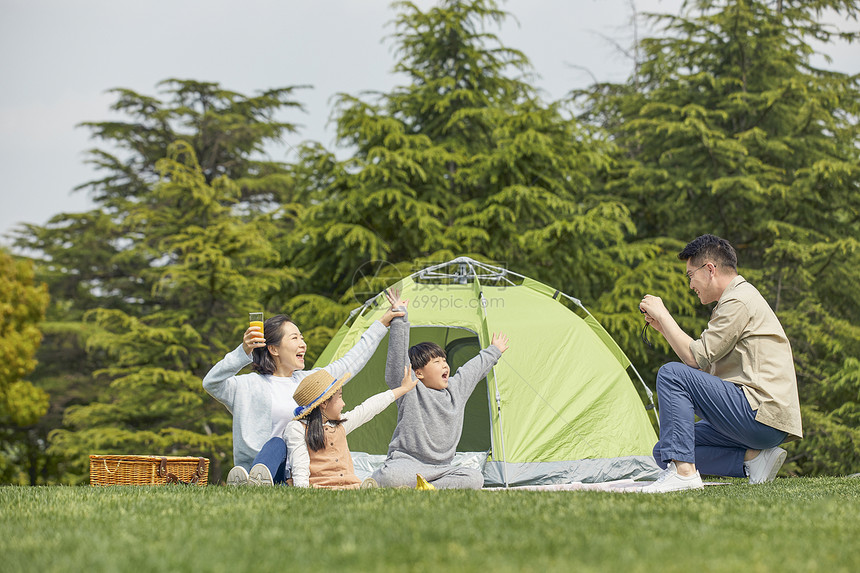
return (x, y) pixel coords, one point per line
(670, 480)
(237, 476)
(260, 475)
(764, 467)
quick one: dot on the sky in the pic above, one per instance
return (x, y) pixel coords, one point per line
(58, 58)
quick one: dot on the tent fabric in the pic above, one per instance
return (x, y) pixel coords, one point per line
(577, 471)
(600, 471)
(559, 406)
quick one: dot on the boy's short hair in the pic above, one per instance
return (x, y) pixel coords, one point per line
(710, 247)
(424, 352)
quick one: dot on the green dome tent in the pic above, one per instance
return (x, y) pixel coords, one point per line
(559, 407)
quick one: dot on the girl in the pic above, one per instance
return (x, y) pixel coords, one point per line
(316, 438)
(262, 402)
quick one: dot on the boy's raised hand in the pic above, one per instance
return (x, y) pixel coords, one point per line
(500, 341)
(398, 307)
(407, 384)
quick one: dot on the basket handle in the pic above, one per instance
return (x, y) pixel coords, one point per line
(116, 467)
(173, 478)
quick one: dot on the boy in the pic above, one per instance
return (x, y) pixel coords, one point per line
(430, 419)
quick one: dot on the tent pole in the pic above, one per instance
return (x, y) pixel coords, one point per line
(501, 428)
(483, 303)
(490, 412)
(650, 396)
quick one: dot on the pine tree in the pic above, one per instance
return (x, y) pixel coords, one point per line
(729, 129)
(86, 255)
(22, 307)
(154, 284)
(463, 159)
(213, 268)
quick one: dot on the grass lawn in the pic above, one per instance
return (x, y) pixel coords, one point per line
(798, 524)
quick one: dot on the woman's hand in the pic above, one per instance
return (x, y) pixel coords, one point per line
(398, 307)
(252, 339)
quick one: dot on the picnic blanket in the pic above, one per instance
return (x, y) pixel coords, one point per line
(618, 486)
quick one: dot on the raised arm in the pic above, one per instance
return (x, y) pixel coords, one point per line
(220, 381)
(398, 351)
(473, 371)
(358, 355)
(377, 403)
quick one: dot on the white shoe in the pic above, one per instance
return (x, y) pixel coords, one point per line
(670, 480)
(764, 467)
(237, 476)
(260, 475)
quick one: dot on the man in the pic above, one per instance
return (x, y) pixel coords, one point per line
(738, 378)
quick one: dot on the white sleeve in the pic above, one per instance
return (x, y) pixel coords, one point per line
(297, 451)
(220, 381)
(367, 410)
(357, 356)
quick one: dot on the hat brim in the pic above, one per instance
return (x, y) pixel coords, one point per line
(338, 384)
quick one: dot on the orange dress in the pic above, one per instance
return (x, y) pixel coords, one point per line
(331, 467)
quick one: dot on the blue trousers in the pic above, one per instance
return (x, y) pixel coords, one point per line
(273, 455)
(726, 428)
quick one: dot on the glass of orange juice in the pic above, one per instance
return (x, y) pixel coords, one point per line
(256, 319)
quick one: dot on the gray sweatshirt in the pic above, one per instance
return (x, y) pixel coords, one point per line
(430, 422)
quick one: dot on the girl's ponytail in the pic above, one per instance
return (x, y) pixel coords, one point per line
(315, 435)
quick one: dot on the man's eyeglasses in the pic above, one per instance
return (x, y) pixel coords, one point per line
(690, 274)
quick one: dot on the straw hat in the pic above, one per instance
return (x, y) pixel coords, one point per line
(315, 389)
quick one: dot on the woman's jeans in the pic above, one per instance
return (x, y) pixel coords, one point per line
(273, 455)
(726, 430)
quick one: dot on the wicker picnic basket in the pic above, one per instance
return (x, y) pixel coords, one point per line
(148, 470)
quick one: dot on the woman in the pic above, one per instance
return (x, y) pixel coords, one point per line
(262, 402)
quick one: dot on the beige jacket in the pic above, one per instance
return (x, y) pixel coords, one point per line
(745, 344)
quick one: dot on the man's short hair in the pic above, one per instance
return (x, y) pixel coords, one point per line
(424, 352)
(710, 247)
